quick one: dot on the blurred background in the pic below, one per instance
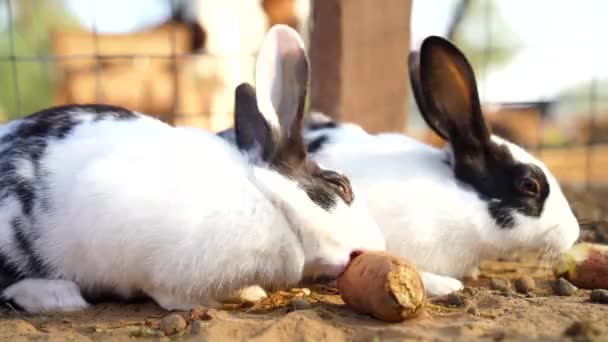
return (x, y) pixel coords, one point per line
(542, 66)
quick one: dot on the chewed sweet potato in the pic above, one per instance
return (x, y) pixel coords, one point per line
(585, 265)
(380, 284)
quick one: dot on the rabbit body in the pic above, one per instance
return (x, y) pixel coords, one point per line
(135, 204)
(96, 199)
(448, 209)
(427, 215)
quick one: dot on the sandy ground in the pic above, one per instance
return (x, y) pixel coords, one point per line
(484, 314)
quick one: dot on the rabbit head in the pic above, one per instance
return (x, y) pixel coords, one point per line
(320, 205)
(523, 198)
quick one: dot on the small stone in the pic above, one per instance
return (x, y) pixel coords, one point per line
(473, 311)
(455, 299)
(299, 304)
(525, 284)
(500, 283)
(197, 327)
(581, 329)
(562, 287)
(599, 296)
(172, 324)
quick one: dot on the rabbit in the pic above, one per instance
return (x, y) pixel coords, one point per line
(478, 197)
(97, 199)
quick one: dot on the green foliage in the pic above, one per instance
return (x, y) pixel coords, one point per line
(32, 22)
(482, 19)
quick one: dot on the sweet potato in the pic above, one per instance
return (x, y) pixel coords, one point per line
(387, 287)
(585, 265)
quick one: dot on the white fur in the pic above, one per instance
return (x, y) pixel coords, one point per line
(429, 217)
(43, 295)
(436, 285)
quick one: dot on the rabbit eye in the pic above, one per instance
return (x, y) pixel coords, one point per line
(340, 184)
(528, 186)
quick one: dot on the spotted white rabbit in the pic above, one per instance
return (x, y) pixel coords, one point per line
(99, 199)
(447, 209)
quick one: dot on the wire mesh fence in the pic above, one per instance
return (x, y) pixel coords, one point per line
(160, 69)
(167, 71)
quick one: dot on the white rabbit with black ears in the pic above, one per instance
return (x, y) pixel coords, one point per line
(448, 209)
(98, 199)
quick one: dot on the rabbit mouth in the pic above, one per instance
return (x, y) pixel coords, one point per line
(327, 274)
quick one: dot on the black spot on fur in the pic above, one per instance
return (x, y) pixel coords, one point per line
(24, 178)
(315, 126)
(494, 177)
(24, 191)
(107, 111)
(445, 89)
(23, 237)
(322, 196)
(57, 122)
(502, 215)
(29, 137)
(325, 187)
(8, 273)
(317, 143)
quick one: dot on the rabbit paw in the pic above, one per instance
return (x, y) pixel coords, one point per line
(44, 295)
(437, 286)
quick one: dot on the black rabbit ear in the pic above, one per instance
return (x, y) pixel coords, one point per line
(432, 121)
(252, 133)
(450, 96)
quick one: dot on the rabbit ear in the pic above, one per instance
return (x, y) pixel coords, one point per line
(450, 96)
(252, 133)
(432, 121)
(282, 73)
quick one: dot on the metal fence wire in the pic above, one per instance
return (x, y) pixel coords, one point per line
(181, 76)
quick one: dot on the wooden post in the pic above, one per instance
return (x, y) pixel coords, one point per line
(358, 55)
